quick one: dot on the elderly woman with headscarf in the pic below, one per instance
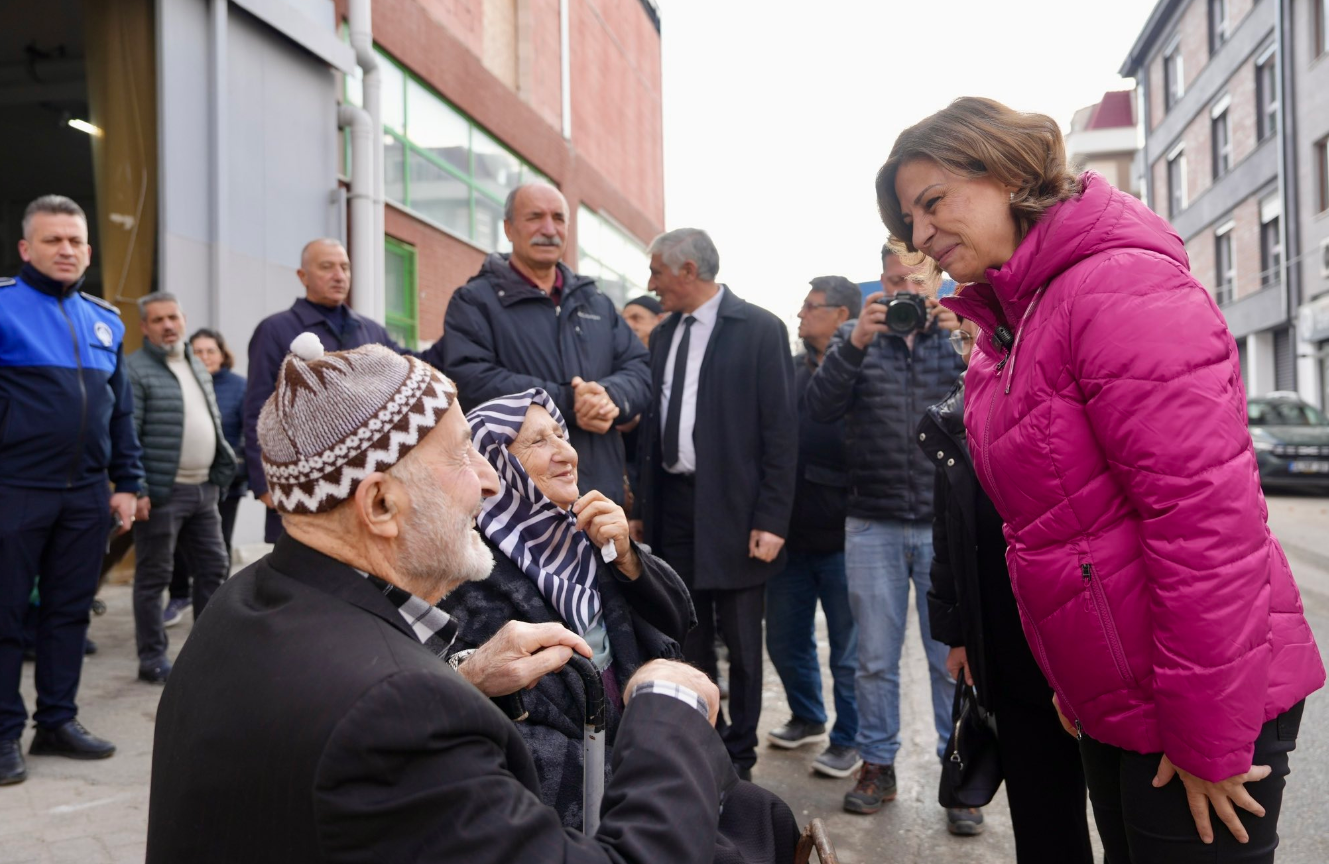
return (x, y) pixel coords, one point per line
(564, 557)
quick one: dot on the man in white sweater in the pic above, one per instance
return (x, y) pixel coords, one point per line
(187, 462)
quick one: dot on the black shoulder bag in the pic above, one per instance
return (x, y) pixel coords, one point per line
(971, 768)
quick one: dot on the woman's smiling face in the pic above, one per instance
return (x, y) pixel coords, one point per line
(962, 223)
(547, 457)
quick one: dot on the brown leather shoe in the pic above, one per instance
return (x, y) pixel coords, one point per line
(875, 786)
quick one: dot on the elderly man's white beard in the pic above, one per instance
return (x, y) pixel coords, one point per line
(440, 548)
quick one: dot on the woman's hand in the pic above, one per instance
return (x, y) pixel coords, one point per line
(1065, 721)
(605, 522)
(957, 660)
(1222, 795)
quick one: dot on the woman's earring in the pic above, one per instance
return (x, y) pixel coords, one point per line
(1012, 198)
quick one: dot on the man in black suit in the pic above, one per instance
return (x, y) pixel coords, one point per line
(718, 463)
(311, 717)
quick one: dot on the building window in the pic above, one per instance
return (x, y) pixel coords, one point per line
(438, 162)
(1176, 182)
(1321, 26)
(1266, 98)
(1218, 29)
(1173, 86)
(400, 294)
(1225, 268)
(1322, 174)
(1271, 241)
(616, 260)
(1220, 135)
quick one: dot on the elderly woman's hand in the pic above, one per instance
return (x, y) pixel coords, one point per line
(605, 522)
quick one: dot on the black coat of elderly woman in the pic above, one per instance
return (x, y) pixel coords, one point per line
(550, 550)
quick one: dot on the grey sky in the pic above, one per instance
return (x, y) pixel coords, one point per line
(777, 115)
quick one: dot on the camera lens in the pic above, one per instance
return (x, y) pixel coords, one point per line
(903, 315)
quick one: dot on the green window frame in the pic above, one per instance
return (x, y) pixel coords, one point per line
(470, 183)
(402, 316)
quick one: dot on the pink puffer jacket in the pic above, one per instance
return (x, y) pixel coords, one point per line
(1113, 441)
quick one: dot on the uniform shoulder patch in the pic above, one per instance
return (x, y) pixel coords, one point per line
(100, 302)
(6, 281)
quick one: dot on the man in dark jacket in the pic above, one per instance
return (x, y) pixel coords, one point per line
(311, 717)
(325, 271)
(188, 465)
(881, 382)
(526, 320)
(65, 424)
(719, 451)
(815, 569)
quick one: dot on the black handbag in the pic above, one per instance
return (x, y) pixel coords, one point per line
(971, 768)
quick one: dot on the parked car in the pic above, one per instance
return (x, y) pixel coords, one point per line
(1291, 442)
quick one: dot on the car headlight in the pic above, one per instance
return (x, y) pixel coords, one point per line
(1263, 446)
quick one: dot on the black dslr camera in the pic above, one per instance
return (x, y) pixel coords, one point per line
(905, 312)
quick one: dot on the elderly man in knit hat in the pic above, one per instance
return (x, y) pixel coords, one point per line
(311, 716)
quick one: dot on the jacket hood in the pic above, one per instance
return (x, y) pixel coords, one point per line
(498, 271)
(1101, 218)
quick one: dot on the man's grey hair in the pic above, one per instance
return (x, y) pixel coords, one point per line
(840, 291)
(317, 241)
(155, 297)
(57, 204)
(682, 245)
(510, 203)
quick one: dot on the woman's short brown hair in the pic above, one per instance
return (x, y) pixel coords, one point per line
(977, 137)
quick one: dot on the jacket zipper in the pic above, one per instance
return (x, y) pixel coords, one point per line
(1099, 599)
(1038, 295)
(83, 396)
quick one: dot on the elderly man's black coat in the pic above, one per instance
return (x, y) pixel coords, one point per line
(303, 722)
(746, 436)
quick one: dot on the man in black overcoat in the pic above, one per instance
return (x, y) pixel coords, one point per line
(719, 453)
(312, 718)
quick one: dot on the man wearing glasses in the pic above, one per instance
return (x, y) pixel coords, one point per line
(881, 381)
(815, 569)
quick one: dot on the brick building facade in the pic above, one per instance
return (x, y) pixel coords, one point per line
(476, 102)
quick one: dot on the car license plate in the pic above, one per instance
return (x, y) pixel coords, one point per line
(1303, 466)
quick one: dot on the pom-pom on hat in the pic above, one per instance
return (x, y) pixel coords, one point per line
(337, 417)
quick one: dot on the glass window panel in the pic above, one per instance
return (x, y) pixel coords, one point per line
(530, 174)
(439, 196)
(394, 169)
(497, 170)
(489, 225)
(400, 334)
(588, 231)
(435, 127)
(395, 285)
(394, 94)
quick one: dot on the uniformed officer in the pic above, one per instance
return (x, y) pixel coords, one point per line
(66, 423)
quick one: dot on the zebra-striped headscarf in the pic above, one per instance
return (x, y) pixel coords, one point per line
(538, 535)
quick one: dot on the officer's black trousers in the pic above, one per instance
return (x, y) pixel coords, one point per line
(61, 534)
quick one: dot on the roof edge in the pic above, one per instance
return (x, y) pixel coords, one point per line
(1135, 59)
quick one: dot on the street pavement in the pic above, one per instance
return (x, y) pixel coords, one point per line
(93, 812)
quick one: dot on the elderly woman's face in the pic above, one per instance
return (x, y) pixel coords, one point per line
(962, 223)
(546, 455)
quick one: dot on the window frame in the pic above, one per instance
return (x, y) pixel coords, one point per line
(1321, 34)
(1266, 95)
(391, 320)
(1320, 153)
(1221, 154)
(1174, 86)
(1176, 181)
(1225, 289)
(1219, 30)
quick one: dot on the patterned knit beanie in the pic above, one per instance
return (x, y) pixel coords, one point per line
(336, 418)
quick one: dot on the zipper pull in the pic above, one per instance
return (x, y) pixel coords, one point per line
(1079, 731)
(1087, 571)
(1001, 364)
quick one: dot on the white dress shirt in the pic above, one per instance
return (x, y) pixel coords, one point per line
(706, 315)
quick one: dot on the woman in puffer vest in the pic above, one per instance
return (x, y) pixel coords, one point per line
(1107, 422)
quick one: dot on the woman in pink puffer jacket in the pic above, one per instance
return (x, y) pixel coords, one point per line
(1107, 421)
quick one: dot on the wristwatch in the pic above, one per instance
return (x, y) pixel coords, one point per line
(460, 657)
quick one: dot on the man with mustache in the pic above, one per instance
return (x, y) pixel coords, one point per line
(526, 320)
(312, 716)
(188, 463)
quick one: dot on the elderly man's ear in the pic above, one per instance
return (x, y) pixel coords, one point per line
(379, 503)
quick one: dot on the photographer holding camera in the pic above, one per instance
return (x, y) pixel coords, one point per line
(881, 373)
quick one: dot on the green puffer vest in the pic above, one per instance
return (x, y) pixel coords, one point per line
(159, 419)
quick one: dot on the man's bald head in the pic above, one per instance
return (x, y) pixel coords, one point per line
(539, 188)
(325, 271)
(535, 220)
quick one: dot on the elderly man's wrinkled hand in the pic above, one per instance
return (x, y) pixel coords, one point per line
(595, 411)
(124, 504)
(683, 675)
(519, 655)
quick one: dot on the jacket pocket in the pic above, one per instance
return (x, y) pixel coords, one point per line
(1098, 601)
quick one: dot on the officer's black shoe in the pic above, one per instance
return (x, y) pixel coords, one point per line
(155, 674)
(70, 740)
(29, 653)
(12, 768)
(89, 647)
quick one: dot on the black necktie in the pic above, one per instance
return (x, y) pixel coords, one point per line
(676, 394)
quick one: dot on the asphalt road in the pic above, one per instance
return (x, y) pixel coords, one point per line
(91, 812)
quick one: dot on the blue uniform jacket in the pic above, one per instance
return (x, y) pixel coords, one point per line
(66, 409)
